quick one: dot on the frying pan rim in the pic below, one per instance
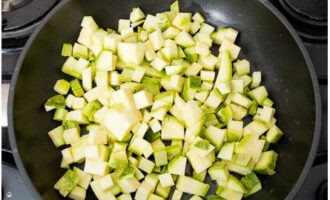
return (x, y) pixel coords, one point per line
(267, 4)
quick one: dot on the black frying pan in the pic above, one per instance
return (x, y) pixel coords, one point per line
(268, 42)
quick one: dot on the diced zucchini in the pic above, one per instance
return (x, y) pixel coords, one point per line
(98, 135)
(234, 130)
(268, 102)
(76, 88)
(150, 99)
(174, 7)
(77, 116)
(131, 52)
(66, 50)
(182, 21)
(206, 86)
(202, 147)
(226, 151)
(66, 183)
(150, 24)
(259, 94)
(90, 109)
(143, 99)
(78, 103)
(192, 57)
(198, 18)
(177, 194)
(208, 61)
(105, 182)
(140, 146)
(96, 167)
(125, 197)
(155, 125)
(215, 135)
(235, 184)
(120, 122)
(166, 179)
(193, 117)
(195, 197)
(237, 86)
(146, 165)
(241, 100)
(80, 51)
(171, 70)
(207, 28)
(219, 171)
(225, 114)
(184, 39)
(214, 99)
(226, 45)
(110, 42)
(101, 194)
(173, 82)
(255, 127)
(106, 61)
(172, 129)
(156, 39)
(163, 192)
(194, 82)
(163, 21)
(225, 72)
(266, 114)
(84, 178)
(192, 186)
(198, 163)
(177, 165)
(122, 24)
(194, 28)
(159, 63)
(200, 176)
(214, 197)
(266, 163)
(253, 108)
(224, 34)
(155, 197)
(203, 37)
(160, 154)
(201, 96)
(202, 48)
(62, 86)
(55, 102)
(173, 151)
(274, 134)
(136, 15)
(71, 135)
(242, 67)
(86, 76)
(256, 79)
(228, 193)
(212, 120)
(118, 158)
(56, 135)
(171, 32)
(207, 75)
(251, 183)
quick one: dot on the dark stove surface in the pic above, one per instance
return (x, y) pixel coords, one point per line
(309, 8)
(308, 17)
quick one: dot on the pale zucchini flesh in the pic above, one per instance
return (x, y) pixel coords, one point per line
(150, 100)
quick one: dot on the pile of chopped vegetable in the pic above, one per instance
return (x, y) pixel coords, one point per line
(146, 102)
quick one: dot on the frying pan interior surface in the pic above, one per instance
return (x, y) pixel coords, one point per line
(267, 42)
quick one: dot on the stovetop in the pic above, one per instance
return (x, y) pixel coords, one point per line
(309, 19)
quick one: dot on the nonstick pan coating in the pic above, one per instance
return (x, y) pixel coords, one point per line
(267, 41)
